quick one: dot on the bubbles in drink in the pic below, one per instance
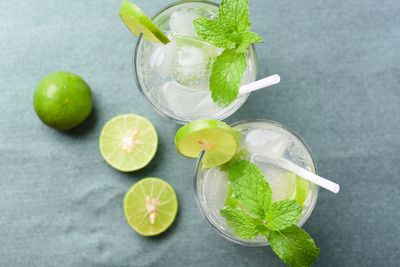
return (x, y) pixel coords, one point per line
(192, 60)
(191, 66)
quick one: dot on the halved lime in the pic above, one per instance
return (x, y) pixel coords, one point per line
(137, 22)
(150, 206)
(128, 142)
(219, 141)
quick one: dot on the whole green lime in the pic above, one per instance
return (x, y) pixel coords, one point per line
(62, 100)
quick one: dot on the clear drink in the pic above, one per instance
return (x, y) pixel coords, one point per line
(174, 77)
(263, 143)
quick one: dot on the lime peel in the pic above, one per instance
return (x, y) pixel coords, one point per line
(137, 22)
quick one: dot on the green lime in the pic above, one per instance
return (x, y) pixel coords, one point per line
(128, 142)
(62, 100)
(291, 186)
(137, 22)
(242, 154)
(302, 189)
(219, 141)
(150, 206)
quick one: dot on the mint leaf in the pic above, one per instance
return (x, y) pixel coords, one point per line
(248, 38)
(226, 77)
(211, 31)
(241, 223)
(293, 246)
(283, 214)
(230, 200)
(231, 32)
(240, 155)
(234, 15)
(250, 187)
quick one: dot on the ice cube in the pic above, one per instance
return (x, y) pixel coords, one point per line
(206, 106)
(192, 60)
(160, 60)
(282, 182)
(269, 143)
(182, 99)
(190, 65)
(181, 22)
(215, 188)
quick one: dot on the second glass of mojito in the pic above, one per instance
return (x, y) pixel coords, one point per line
(174, 77)
(264, 143)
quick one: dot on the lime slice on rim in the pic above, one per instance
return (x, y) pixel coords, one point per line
(128, 142)
(219, 141)
(150, 206)
(137, 22)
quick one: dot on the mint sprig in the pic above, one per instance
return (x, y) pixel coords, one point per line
(226, 76)
(250, 187)
(242, 223)
(230, 32)
(283, 214)
(259, 216)
(293, 246)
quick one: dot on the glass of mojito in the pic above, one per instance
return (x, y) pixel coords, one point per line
(263, 143)
(174, 77)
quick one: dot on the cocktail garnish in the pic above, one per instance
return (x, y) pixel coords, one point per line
(259, 216)
(230, 32)
(138, 23)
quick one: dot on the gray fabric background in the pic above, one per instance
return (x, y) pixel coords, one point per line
(61, 204)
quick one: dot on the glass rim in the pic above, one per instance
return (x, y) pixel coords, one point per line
(140, 88)
(302, 220)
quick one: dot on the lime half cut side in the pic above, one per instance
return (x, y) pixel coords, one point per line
(219, 141)
(137, 22)
(128, 142)
(150, 206)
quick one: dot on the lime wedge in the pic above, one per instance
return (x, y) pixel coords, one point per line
(302, 189)
(194, 41)
(219, 141)
(299, 190)
(150, 206)
(137, 22)
(128, 142)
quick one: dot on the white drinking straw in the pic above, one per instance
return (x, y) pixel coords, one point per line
(283, 163)
(268, 81)
(307, 175)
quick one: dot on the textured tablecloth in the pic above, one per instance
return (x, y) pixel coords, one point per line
(61, 204)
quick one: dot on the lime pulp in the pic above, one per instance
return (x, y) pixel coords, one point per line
(219, 141)
(128, 142)
(150, 206)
